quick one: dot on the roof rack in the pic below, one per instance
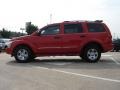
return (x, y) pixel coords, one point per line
(100, 21)
(75, 21)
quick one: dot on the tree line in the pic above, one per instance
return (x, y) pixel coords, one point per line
(30, 28)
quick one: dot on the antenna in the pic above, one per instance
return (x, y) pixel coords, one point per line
(50, 18)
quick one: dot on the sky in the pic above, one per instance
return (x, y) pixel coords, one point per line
(15, 13)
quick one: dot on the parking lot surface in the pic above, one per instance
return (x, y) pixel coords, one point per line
(60, 73)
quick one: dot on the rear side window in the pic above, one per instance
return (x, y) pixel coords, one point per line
(95, 27)
(73, 28)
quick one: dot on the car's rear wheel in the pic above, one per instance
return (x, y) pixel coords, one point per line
(23, 54)
(92, 53)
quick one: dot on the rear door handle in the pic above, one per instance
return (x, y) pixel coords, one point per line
(82, 36)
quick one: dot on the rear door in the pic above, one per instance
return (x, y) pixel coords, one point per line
(72, 37)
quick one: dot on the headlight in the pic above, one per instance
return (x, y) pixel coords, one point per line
(8, 44)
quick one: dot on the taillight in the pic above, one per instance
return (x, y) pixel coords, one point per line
(108, 31)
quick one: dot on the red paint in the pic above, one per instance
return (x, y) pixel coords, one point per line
(64, 44)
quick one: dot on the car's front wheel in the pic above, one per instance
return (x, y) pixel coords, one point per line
(23, 54)
(92, 53)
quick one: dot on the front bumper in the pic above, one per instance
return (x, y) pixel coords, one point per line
(8, 51)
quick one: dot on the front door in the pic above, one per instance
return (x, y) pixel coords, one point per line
(49, 40)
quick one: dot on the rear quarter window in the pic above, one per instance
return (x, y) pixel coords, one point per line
(95, 27)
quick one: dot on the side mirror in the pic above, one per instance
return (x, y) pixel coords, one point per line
(37, 33)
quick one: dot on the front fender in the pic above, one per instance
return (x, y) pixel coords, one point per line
(17, 43)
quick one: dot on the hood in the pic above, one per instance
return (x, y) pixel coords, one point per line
(20, 38)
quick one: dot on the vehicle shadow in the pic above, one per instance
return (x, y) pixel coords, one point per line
(66, 64)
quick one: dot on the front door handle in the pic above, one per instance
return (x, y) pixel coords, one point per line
(57, 37)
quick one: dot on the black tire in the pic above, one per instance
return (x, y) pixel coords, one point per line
(23, 58)
(92, 53)
(82, 57)
(117, 50)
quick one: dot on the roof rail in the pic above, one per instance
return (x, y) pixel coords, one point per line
(66, 21)
(100, 21)
(75, 21)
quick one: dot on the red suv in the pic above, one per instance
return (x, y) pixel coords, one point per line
(87, 39)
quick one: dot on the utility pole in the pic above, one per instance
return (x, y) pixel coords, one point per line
(22, 29)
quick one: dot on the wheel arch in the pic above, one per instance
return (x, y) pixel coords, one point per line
(23, 45)
(91, 43)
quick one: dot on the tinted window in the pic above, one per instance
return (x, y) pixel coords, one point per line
(50, 30)
(95, 27)
(73, 28)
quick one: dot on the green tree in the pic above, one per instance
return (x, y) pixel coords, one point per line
(30, 28)
(5, 33)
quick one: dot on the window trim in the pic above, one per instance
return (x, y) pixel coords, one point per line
(50, 26)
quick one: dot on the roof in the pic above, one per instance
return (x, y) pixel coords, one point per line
(99, 21)
(77, 21)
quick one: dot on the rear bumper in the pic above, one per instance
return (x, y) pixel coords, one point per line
(108, 47)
